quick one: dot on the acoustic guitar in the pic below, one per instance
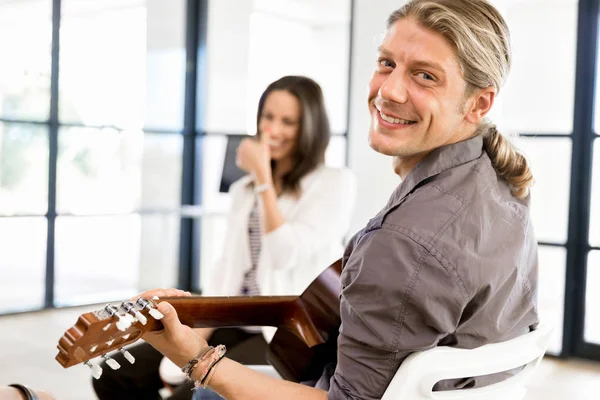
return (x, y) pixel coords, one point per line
(305, 341)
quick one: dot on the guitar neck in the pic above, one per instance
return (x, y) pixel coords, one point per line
(219, 312)
(285, 312)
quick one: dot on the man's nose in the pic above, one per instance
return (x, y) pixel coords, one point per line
(394, 88)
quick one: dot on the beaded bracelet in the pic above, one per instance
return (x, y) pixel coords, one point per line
(188, 368)
(208, 363)
(211, 372)
(211, 369)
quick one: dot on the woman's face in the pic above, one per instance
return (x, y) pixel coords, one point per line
(280, 120)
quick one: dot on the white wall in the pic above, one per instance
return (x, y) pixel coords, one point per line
(376, 179)
(227, 56)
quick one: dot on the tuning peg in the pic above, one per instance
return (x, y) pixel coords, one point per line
(151, 310)
(96, 369)
(125, 321)
(129, 307)
(111, 362)
(155, 313)
(127, 355)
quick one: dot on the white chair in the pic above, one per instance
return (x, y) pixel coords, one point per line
(422, 370)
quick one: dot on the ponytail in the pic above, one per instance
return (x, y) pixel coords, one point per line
(508, 162)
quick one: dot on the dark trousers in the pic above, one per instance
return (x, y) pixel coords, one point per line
(142, 381)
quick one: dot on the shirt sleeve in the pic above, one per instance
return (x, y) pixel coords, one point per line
(396, 298)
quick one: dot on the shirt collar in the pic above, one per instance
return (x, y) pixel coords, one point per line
(436, 162)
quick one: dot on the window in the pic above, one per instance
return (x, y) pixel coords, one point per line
(95, 157)
(534, 106)
(114, 201)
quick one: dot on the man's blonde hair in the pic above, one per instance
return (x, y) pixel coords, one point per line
(481, 41)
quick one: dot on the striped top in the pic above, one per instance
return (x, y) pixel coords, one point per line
(250, 284)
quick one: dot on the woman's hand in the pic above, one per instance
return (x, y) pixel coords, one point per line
(42, 395)
(11, 393)
(179, 343)
(254, 156)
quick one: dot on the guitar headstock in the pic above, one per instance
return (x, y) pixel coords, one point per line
(100, 332)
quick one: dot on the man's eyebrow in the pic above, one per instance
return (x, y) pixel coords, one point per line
(385, 52)
(429, 65)
(419, 63)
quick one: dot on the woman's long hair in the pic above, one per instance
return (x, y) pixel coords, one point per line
(313, 131)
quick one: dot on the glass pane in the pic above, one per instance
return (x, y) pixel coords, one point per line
(551, 296)
(592, 299)
(131, 75)
(595, 204)
(159, 251)
(551, 165)
(109, 258)
(25, 43)
(161, 171)
(111, 171)
(165, 64)
(316, 43)
(22, 263)
(212, 239)
(545, 106)
(23, 169)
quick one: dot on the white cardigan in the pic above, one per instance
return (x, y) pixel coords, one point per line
(294, 254)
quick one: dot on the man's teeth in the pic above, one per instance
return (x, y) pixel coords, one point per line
(393, 120)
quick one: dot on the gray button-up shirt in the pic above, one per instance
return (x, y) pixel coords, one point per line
(450, 261)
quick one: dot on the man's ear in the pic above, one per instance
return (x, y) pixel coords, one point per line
(480, 104)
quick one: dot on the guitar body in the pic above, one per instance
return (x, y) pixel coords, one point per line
(290, 355)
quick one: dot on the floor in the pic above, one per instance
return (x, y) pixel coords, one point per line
(28, 347)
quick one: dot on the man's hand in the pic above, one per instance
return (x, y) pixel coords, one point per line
(178, 342)
(206, 333)
(254, 156)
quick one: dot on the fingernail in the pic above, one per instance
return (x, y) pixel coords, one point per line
(164, 309)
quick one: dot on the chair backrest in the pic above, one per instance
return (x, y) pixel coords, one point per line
(422, 370)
